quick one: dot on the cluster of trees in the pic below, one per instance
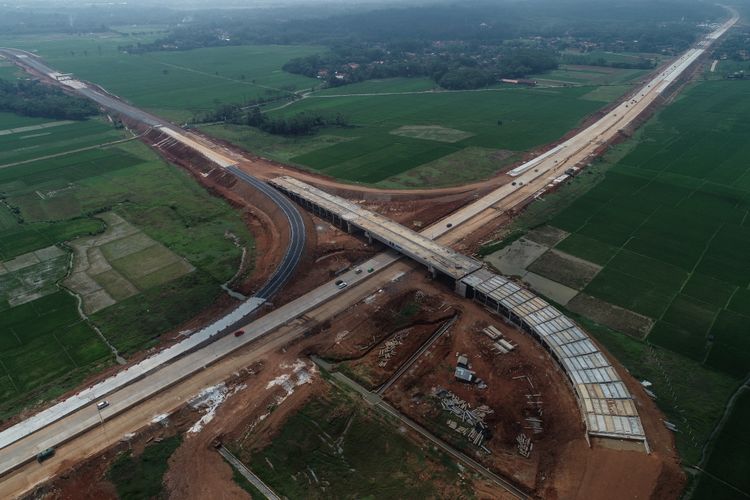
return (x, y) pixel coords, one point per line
(736, 46)
(65, 17)
(458, 46)
(456, 66)
(303, 123)
(30, 98)
(654, 25)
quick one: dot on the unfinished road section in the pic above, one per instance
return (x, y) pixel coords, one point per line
(606, 405)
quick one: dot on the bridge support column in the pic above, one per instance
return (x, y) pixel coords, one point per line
(432, 271)
(369, 237)
(348, 227)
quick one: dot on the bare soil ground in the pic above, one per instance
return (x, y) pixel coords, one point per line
(408, 315)
(506, 396)
(546, 235)
(89, 480)
(562, 465)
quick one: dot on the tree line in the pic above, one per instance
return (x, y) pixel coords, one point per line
(453, 66)
(588, 60)
(303, 123)
(31, 98)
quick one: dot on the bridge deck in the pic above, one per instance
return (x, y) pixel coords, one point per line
(393, 234)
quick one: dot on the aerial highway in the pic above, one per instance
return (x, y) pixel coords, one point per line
(18, 448)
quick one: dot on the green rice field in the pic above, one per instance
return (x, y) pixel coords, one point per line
(670, 225)
(729, 460)
(45, 345)
(668, 219)
(487, 129)
(47, 137)
(172, 84)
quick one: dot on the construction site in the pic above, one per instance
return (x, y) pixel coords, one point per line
(384, 320)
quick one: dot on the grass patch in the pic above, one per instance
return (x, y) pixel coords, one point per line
(729, 459)
(246, 485)
(158, 310)
(334, 447)
(464, 166)
(143, 476)
(432, 133)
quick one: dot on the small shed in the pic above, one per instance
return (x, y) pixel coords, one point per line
(463, 361)
(464, 375)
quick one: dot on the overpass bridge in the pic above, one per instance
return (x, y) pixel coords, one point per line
(439, 259)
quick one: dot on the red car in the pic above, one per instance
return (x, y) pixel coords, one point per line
(239, 332)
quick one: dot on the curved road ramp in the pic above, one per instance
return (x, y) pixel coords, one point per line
(606, 405)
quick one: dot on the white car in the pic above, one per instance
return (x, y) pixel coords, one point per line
(341, 284)
(102, 404)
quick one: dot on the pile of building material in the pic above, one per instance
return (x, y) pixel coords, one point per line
(524, 445)
(475, 429)
(499, 343)
(534, 407)
(388, 350)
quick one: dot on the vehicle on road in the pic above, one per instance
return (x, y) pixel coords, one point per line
(48, 453)
(239, 333)
(358, 271)
(369, 269)
(102, 404)
(341, 283)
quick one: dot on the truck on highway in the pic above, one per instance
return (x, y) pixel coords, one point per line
(44, 455)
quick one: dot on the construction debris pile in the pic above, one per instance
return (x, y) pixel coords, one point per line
(533, 417)
(524, 445)
(499, 344)
(388, 350)
(474, 428)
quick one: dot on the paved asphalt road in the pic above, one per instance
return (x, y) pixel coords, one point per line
(297, 234)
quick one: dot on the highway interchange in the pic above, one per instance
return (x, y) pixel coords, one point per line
(327, 299)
